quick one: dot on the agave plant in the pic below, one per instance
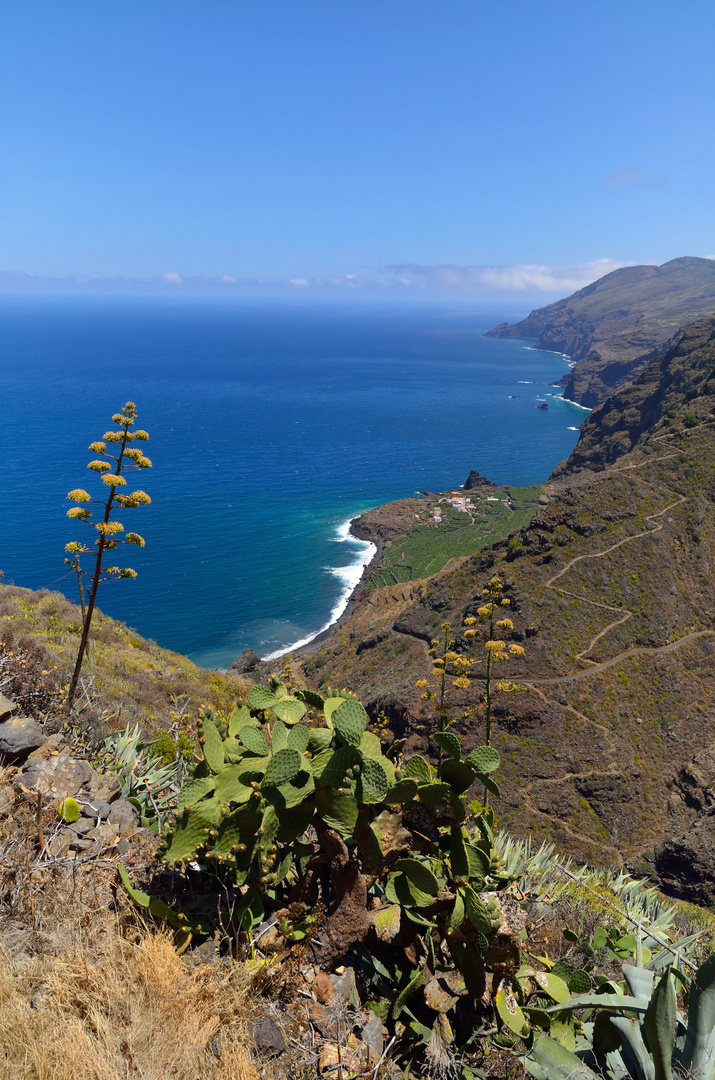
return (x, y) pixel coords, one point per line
(147, 782)
(640, 1035)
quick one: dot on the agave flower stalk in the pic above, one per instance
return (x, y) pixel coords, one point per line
(110, 467)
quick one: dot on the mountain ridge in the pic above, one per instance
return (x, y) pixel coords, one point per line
(613, 327)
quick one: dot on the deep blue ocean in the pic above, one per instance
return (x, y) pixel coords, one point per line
(271, 425)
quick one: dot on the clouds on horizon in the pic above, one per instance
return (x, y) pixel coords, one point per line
(399, 279)
(521, 277)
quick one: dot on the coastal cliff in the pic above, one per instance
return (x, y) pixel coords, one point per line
(683, 374)
(615, 326)
(606, 734)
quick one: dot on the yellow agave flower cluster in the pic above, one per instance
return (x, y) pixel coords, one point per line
(496, 648)
(128, 457)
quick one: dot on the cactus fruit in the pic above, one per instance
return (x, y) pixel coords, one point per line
(349, 721)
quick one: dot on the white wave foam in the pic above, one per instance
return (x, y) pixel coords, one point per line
(573, 428)
(349, 575)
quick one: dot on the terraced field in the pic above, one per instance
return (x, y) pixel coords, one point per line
(426, 548)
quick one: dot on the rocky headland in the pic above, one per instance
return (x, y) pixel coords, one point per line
(615, 326)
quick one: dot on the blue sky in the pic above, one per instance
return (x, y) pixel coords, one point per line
(400, 142)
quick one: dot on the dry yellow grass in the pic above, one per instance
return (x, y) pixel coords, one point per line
(108, 1008)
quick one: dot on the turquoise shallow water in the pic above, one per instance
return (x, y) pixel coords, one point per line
(271, 425)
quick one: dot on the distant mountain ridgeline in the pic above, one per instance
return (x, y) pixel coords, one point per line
(684, 373)
(615, 326)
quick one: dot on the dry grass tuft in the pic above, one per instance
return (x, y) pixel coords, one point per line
(113, 1008)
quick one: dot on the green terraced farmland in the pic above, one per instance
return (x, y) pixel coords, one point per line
(427, 548)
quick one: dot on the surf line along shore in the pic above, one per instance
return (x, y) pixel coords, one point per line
(354, 575)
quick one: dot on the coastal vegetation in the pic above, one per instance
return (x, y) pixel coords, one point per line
(440, 532)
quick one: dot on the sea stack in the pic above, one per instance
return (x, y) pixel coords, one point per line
(474, 481)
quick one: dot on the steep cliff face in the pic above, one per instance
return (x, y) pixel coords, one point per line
(681, 378)
(615, 326)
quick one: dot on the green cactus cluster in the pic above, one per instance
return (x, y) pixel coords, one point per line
(266, 773)
(290, 768)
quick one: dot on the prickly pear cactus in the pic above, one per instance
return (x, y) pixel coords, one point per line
(293, 787)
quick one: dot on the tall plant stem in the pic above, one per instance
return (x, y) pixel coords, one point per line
(101, 548)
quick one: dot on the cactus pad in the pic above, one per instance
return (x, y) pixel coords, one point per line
(252, 738)
(238, 718)
(419, 874)
(370, 745)
(372, 782)
(229, 788)
(349, 721)
(313, 700)
(457, 774)
(340, 812)
(579, 982)
(279, 736)
(299, 738)
(459, 860)
(260, 697)
(484, 759)
(319, 739)
(403, 792)
(479, 863)
(337, 765)
(489, 784)
(69, 810)
(332, 702)
(191, 830)
(477, 911)
(289, 710)
(213, 747)
(448, 741)
(196, 789)
(417, 768)
(282, 767)
(292, 793)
